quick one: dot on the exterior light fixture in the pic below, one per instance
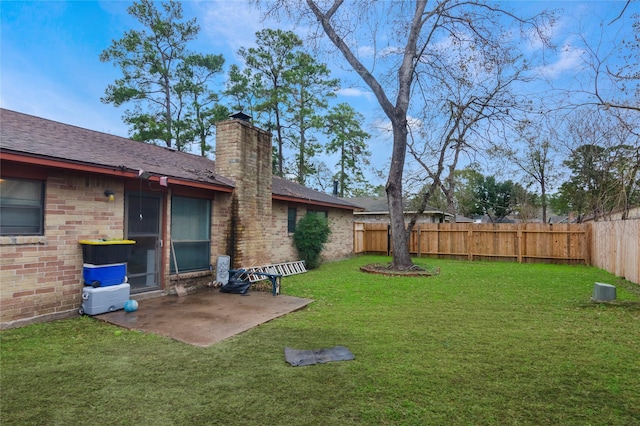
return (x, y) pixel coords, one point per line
(110, 195)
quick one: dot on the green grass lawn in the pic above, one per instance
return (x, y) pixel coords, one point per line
(481, 343)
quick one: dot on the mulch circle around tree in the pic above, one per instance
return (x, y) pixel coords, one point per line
(414, 271)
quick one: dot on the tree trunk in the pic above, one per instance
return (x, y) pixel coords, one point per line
(343, 157)
(279, 132)
(544, 201)
(167, 109)
(399, 234)
(397, 114)
(303, 142)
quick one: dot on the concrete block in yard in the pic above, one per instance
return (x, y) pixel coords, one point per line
(603, 292)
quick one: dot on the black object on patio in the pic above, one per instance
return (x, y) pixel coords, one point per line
(239, 281)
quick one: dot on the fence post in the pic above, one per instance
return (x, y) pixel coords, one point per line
(388, 240)
(590, 242)
(519, 243)
(470, 242)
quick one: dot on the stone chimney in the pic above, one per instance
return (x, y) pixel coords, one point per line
(243, 154)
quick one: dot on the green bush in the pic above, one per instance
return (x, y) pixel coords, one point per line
(312, 232)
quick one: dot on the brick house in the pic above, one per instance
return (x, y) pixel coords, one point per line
(61, 184)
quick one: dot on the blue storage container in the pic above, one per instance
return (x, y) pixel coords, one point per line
(104, 275)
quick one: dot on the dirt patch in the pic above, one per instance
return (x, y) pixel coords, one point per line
(415, 271)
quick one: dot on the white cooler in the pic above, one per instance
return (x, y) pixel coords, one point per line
(104, 299)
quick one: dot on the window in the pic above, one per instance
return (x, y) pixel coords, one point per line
(21, 207)
(322, 213)
(291, 219)
(190, 233)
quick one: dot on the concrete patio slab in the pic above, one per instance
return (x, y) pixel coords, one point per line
(206, 316)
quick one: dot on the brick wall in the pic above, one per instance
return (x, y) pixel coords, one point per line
(243, 153)
(282, 248)
(339, 246)
(220, 225)
(42, 276)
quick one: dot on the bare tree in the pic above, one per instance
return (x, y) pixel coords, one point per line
(601, 110)
(410, 29)
(533, 153)
(609, 76)
(468, 108)
(616, 73)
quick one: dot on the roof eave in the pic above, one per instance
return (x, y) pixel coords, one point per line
(105, 170)
(313, 202)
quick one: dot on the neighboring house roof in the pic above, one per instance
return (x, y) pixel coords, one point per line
(371, 204)
(50, 143)
(463, 219)
(379, 205)
(487, 219)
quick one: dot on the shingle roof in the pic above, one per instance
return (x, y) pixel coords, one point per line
(371, 204)
(42, 138)
(380, 205)
(288, 189)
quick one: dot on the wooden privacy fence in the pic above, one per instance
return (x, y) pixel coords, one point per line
(524, 243)
(616, 248)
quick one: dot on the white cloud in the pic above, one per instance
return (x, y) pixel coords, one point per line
(384, 125)
(231, 25)
(353, 92)
(366, 51)
(227, 24)
(568, 59)
(370, 52)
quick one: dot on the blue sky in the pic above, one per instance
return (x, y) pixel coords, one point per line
(50, 67)
(50, 63)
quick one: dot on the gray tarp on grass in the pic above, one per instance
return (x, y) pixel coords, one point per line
(301, 357)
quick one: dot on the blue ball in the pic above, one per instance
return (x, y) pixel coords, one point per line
(131, 305)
